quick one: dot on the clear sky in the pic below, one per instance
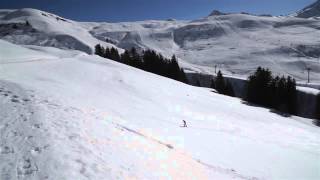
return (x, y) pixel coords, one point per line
(132, 10)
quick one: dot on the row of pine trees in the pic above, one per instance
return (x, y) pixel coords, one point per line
(262, 87)
(275, 92)
(148, 60)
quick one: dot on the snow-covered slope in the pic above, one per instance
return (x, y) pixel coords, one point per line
(70, 115)
(45, 29)
(310, 11)
(235, 43)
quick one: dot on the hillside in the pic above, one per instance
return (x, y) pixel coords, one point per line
(45, 29)
(311, 11)
(235, 43)
(69, 115)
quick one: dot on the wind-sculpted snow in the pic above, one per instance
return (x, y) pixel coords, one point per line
(69, 115)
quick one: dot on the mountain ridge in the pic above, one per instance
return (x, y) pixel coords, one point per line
(312, 10)
(284, 44)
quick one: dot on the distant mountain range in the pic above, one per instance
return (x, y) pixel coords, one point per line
(236, 43)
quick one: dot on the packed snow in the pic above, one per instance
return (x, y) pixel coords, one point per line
(308, 90)
(70, 115)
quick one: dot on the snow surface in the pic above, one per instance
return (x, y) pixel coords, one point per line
(70, 115)
(308, 90)
(236, 43)
(50, 30)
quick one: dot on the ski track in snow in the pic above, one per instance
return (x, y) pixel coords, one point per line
(230, 172)
(21, 137)
(25, 141)
(26, 61)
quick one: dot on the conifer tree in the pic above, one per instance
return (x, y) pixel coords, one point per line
(212, 84)
(114, 54)
(229, 89)
(135, 58)
(27, 23)
(273, 94)
(222, 86)
(291, 95)
(317, 113)
(174, 69)
(198, 83)
(99, 50)
(125, 57)
(183, 77)
(258, 86)
(220, 83)
(107, 53)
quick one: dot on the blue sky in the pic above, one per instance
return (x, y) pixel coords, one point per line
(132, 10)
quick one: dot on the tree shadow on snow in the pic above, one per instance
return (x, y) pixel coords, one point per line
(316, 122)
(283, 114)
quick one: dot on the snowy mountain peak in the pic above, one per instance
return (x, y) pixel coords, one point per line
(217, 13)
(28, 13)
(46, 29)
(312, 10)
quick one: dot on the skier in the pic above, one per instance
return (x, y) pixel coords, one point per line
(184, 123)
